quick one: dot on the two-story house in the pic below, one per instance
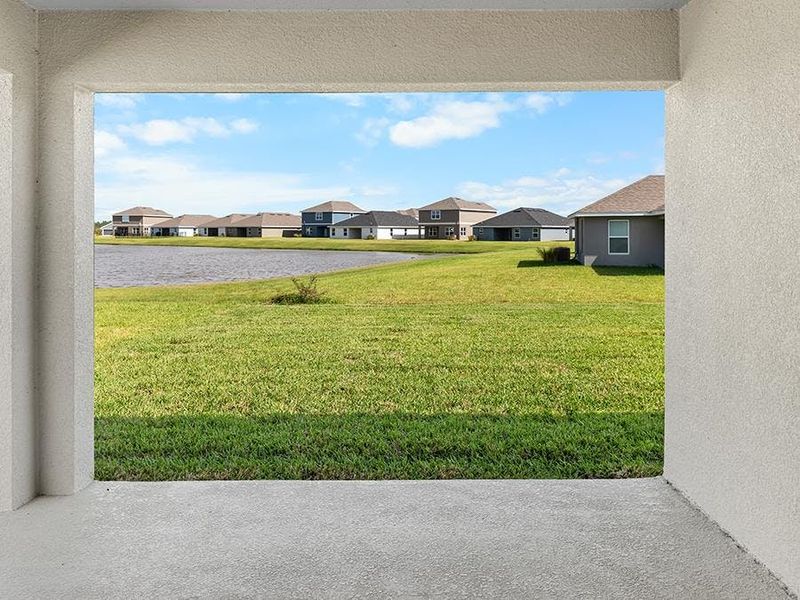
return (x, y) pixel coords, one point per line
(137, 221)
(317, 219)
(452, 218)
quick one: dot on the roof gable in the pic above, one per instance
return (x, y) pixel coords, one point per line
(337, 206)
(453, 203)
(379, 218)
(142, 211)
(526, 217)
(646, 196)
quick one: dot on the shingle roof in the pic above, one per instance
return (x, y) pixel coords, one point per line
(379, 218)
(185, 221)
(526, 217)
(645, 196)
(453, 203)
(411, 212)
(341, 206)
(143, 211)
(269, 219)
(226, 221)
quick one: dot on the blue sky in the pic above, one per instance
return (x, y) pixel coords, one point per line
(224, 153)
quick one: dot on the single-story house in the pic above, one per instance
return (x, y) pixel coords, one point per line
(137, 221)
(221, 227)
(452, 218)
(380, 224)
(317, 219)
(107, 229)
(268, 224)
(625, 229)
(525, 224)
(182, 226)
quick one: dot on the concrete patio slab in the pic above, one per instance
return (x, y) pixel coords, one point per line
(405, 539)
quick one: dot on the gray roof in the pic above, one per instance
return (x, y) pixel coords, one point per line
(185, 221)
(411, 212)
(142, 211)
(645, 196)
(226, 221)
(453, 203)
(338, 206)
(526, 217)
(379, 218)
(270, 219)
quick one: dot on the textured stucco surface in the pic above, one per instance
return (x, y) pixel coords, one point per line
(444, 539)
(195, 51)
(17, 253)
(733, 290)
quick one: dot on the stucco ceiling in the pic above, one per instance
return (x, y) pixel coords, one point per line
(355, 4)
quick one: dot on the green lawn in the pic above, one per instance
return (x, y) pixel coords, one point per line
(419, 246)
(486, 365)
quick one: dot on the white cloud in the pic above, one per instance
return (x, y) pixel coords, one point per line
(230, 97)
(181, 186)
(449, 120)
(165, 131)
(540, 103)
(561, 191)
(121, 101)
(106, 142)
(244, 126)
(372, 130)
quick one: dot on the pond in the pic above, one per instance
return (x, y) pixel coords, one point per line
(131, 266)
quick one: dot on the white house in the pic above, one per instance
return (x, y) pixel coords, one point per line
(379, 224)
(182, 226)
(107, 229)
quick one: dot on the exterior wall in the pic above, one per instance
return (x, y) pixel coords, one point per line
(242, 51)
(276, 232)
(733, 291)
(18, 196)
(526, 234)
(646, 243)
(320, 228)
(457, 219)
(557, 234)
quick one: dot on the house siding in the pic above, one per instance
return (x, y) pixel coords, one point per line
(646, 246)
(451, 218)
(320, 228)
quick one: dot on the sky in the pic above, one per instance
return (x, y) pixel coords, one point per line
(224, 153)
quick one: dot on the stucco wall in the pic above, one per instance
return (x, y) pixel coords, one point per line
(18, 70)
(733, 285)
(646, 242)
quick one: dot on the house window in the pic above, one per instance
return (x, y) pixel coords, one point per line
(436, 215)
(318, 216)
(480, 229)
(619, 237)
(463, 231)
(432, 232)
(516, 233)
(126, 219)
(333, 231)
(308, 230)
(535, 235)
(344, 232)
(449, 231)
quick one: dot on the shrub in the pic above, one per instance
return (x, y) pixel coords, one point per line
(304, 293)
(472, 238)
(451, 237)
(370, 237)
(554, 254)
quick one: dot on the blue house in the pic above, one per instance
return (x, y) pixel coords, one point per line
(317, 218)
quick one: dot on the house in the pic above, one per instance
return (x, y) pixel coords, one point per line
(182, 226)
(625, 228)
(221, 227)
(107, 229)
(452, 218)
(316, 219)
(267, 224)
(525, 224)
(411, 212)
(137, 221)
(380, 224)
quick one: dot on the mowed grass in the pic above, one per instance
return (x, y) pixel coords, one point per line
(418, 246)
(480, 366)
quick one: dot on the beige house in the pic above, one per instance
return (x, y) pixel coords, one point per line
(182, 226)
(137, 221)
(452, 218)
(263, 224)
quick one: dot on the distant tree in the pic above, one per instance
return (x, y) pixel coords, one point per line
(98, 225)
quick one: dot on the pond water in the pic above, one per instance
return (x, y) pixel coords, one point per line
(130, 266)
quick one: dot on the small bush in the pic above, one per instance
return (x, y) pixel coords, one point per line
(472, 238)
(554, 254)
(304, 293)
(370, 237)
(451, 237)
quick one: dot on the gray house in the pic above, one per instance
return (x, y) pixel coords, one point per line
(524, 225)
(625, 229)
(380, 224)
(317, 219)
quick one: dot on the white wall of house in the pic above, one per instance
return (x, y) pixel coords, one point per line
(548, 234)
(733, 292)
(186, 231)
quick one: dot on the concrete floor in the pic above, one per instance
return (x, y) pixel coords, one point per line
(417, 539)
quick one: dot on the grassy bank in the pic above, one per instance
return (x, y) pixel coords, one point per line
(418, 246)
(491, 365)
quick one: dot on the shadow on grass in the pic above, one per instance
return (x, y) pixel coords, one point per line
(526, 264)
(627, 271)
(379, 446)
